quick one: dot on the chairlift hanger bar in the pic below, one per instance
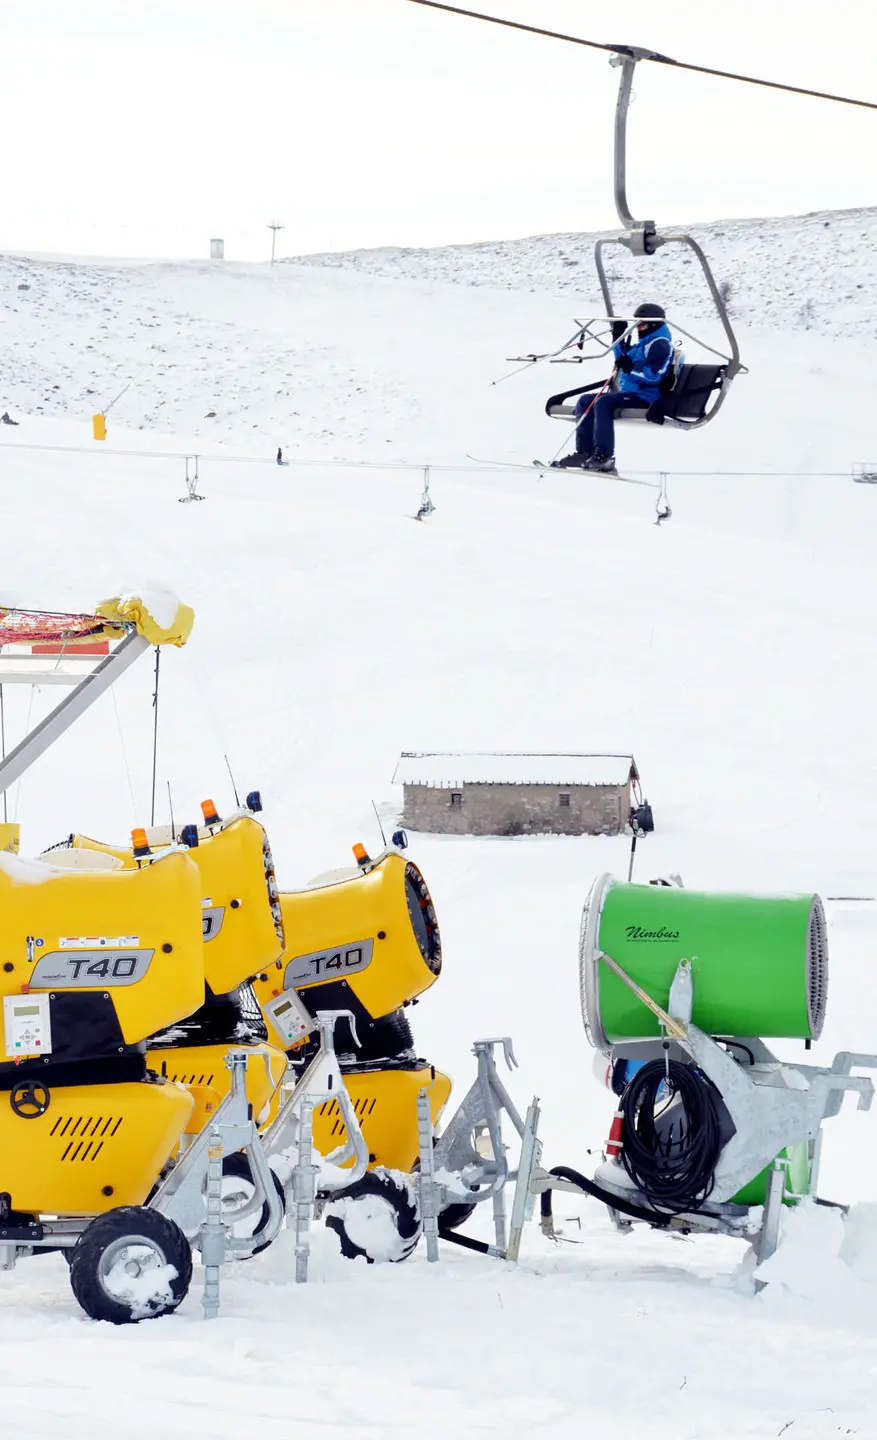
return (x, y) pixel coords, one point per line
(633, 52)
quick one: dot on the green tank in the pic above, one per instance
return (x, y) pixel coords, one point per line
(796, 1160)
(759, 963)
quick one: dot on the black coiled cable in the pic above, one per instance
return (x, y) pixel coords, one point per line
(671, 1163)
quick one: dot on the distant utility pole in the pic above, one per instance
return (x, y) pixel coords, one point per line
(273, 227)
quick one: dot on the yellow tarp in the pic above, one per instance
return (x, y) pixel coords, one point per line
(135, 609)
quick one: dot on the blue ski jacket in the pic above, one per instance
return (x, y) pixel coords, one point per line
(650, 359)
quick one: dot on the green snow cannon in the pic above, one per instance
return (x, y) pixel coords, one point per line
(759, 963)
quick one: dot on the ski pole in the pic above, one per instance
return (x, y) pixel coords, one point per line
(585, 413)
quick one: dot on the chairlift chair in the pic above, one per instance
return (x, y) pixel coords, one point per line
(698, 391)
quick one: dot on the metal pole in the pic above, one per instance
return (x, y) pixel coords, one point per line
(213, 1233)
(426, 1179)
(155, 732)
(304, 1189)
(274, 227)
(632, 855)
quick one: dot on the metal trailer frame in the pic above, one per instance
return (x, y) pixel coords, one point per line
(782, 1104)
(190, 1192)
(454, 1169)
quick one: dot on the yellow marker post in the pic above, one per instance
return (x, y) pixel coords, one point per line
(99, 423)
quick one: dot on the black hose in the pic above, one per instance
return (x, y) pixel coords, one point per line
(465, 1241)
(734, 1045)
(831, 1205)
(671, 1156)
(608, 1197)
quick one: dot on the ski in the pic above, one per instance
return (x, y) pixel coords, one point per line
(510, 464)
(545, 468)
(601, 474)
(499, 464)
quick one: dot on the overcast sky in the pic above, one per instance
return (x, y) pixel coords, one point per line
(144, 127)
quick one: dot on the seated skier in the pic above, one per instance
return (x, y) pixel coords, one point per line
(641, 364)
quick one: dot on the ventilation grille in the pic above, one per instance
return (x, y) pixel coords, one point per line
(589, 950)
(192, 1079)
(817, 968)
(362, 1108)
(82, 1137)
(584, 987)
(253, 1025)
(423, 918)
(273, 893)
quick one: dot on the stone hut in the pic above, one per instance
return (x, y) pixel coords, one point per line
(516, 794)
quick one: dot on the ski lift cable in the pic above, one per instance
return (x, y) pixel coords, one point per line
(124, 750)
(631, 51)
(448, 467)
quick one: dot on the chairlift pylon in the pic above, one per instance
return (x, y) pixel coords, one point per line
(698, 390)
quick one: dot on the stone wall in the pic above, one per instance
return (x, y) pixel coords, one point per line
(517, 809)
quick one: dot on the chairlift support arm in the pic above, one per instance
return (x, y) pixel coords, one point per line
(44, 735)
(643, 228)
(642, 237)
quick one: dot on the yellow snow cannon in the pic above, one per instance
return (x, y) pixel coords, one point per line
(364, 939)
(242, 929)
(242, 920)
(91, 963)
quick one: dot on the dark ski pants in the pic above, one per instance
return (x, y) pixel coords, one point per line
(595, 431)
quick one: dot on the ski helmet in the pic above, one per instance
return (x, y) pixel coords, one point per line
(648, 311)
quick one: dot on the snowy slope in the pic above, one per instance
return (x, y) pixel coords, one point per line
(343, 364)
(811, 272)
(729, 651)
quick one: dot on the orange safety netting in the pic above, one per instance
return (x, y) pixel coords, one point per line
(30, 627)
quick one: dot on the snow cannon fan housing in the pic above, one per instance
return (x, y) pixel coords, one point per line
(242, 922)
(118, 953)
(759, 964)
(367, 941)
(82, 1130)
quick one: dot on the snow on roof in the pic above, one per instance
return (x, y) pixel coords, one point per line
(441, 770)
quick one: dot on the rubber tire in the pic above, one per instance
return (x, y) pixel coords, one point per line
(108, 1229)
(455, 1215)
(239, 1166)
(380, 1184)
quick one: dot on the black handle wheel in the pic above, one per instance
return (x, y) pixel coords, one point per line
(29, 1099)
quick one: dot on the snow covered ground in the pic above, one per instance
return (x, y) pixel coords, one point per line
(731, 651)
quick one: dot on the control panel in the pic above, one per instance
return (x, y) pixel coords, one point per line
(27, 1026)
(290, 1018)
